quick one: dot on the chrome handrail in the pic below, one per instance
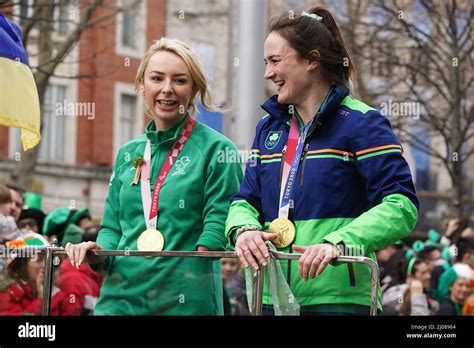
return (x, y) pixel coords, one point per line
(53, 251)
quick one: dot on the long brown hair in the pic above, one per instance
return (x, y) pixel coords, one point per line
(305, 34)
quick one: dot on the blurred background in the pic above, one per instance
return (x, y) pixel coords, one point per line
(414, 63)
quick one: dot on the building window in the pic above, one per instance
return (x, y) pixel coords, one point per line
(128, 116)
(131, 25)
(54, 125)
(25, 11)
(61, 14)
(61, 17)
(129, 29)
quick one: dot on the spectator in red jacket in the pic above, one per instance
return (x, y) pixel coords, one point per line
(81, 286)
(22, 294)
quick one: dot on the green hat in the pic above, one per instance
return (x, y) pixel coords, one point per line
(448, 278)
(32, 200)
(79, 215)
(56, 220)
(59, 223)
(29, 239)
(73, 234)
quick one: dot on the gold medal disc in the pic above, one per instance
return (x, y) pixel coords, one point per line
(151, 240)
(285, 230)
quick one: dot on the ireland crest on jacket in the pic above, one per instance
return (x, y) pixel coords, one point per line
(272, 139)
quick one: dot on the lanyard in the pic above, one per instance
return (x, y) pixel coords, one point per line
(150, 204)
(294, 149)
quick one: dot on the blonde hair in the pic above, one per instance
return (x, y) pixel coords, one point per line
(192, 62)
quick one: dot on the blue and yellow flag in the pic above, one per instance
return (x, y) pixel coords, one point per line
(19, 102)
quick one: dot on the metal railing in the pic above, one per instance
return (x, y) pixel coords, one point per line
(53, 251)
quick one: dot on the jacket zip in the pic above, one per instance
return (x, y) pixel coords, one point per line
(306, 149)
(305, 153)
(352, 280)
(350, 268)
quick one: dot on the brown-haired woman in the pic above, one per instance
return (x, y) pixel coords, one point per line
(330, 177)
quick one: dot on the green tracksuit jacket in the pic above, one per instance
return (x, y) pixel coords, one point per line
(193, 206)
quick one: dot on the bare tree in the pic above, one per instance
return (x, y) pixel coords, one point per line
(39, 36)
(423, 54)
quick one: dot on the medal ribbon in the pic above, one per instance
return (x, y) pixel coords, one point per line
(294, 149)
(150, 204)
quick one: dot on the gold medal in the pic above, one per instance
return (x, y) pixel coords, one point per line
(151, 240)
(285, 230)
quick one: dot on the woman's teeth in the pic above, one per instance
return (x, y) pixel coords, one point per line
(166, 103)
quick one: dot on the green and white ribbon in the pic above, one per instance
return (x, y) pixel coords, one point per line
(284, 302)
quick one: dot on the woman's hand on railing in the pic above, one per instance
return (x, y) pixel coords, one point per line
(77, 253)
(315, 258)
(250, 247)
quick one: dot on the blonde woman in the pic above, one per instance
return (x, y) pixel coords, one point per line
(169, 190)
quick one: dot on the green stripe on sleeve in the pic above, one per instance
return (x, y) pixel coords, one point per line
(343, 158)
(383, 152)
(271, 160)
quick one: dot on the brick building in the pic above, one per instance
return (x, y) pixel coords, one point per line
(86, 120)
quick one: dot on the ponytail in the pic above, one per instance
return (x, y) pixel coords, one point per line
(318, 30)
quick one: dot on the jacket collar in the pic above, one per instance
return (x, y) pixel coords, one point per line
(280, 111)
(160, 136)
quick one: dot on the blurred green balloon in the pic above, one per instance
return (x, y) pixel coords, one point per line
(433, 235)
(445, 254)
(418, 246)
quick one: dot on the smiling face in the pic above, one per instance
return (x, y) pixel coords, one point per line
(290, 73)
(460, 290)
(168, 89)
